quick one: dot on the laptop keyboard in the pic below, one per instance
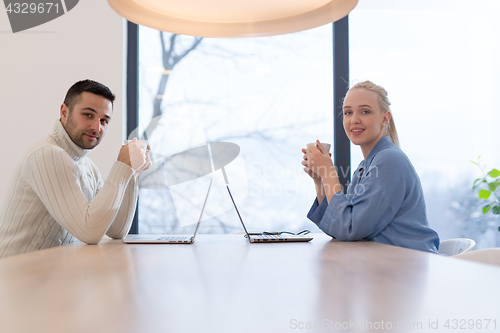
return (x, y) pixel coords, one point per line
(267, 237)
(174, 238)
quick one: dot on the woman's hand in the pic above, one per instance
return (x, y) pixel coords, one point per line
(307, 170)
(313, 161)
(318, 162)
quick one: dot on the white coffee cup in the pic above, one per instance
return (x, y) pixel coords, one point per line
(325, 145)
(143, 144)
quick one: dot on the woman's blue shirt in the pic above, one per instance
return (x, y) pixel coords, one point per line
(384, 203)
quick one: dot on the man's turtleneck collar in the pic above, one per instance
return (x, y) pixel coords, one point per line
(64, 141)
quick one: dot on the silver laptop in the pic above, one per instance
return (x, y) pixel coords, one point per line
(167, 239)
(266, 238)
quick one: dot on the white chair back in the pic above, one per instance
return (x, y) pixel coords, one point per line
(454, 246)
(486, 256)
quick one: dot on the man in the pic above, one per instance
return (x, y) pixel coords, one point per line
(56, 193)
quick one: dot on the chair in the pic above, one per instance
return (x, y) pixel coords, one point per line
(486, 256)
(454, 246)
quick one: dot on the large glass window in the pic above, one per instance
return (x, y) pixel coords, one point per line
(439, 62)
(270, 96)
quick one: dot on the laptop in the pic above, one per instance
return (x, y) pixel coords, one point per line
(263, 238)
(167, 239)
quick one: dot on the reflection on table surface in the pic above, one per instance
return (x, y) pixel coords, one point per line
(222, 283)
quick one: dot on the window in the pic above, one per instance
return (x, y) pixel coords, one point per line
(270, 96)
(438, 61)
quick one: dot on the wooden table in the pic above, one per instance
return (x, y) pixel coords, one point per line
(222, 283)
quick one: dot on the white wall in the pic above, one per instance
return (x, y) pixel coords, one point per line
(38, 66)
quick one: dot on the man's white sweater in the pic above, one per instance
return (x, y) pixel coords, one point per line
(56, 194)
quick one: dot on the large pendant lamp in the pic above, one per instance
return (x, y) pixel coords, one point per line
(232, 18)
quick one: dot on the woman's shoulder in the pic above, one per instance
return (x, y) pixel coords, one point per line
(392, 157)
(391, 152)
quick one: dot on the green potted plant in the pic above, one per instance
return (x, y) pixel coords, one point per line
(487, 186)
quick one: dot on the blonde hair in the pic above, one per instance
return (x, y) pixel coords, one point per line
(385, 106)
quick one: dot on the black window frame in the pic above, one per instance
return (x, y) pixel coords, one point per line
(341, 143)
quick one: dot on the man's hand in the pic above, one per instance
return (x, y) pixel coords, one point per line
(135, 156)
(148, 161)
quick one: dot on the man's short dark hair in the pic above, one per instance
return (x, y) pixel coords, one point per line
(73, 94)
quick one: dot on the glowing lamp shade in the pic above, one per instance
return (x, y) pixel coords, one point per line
(232, 18)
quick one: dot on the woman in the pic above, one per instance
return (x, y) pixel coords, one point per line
(384, 202)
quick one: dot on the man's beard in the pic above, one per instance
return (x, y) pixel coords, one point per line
(78, 136)
(80, 141)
